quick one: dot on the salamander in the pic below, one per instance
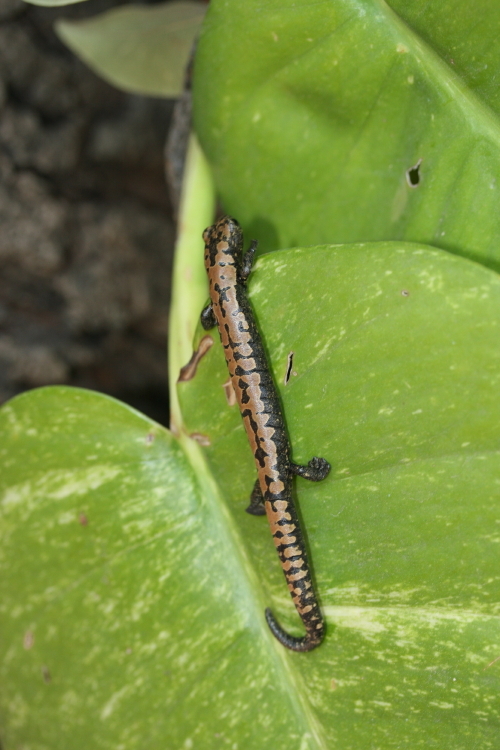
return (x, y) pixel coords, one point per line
(228, 268)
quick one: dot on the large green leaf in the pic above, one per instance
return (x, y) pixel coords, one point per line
(129, 616)
(398, 369)
(312, 114)
(143, 49)
(133, 587)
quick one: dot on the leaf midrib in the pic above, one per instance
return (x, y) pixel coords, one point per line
(276, 652)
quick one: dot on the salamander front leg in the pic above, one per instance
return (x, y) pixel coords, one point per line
(207, 317)
(256, 507)
(316, 470)
(247, 261)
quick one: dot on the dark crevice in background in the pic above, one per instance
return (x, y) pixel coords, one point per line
(86, 229)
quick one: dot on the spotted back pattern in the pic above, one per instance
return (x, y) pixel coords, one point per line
(228, 268)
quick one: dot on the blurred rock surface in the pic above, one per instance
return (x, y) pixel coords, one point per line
(86, 234)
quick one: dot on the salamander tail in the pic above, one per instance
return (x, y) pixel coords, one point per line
(312, 638)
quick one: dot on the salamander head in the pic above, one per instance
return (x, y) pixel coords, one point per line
(223, 242)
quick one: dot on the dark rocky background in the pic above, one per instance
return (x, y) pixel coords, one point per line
(86, 229)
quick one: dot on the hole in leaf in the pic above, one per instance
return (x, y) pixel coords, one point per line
(413, 175)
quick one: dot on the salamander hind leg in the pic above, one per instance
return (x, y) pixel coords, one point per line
(207, 317)
(316, 470)
(256, 507)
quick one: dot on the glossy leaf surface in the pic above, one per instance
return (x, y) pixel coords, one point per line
(142, 49)
(395, 350)
(129, 616)
(355, 121)
(132, 601)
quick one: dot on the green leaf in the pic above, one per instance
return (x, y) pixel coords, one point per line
(189, 278)
(129, 616)
(142, 49)
(312, 115)
(132, 588)
(398, 370)
(446, 27)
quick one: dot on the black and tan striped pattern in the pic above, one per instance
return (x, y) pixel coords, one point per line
(228, 269)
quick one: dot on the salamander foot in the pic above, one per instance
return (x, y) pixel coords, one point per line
(316, 470)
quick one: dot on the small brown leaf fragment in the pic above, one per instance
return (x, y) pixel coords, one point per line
(28, 640)
(83, 520)
(201, 439)
(150, 438)
(405, 293)
(229, 392)
(333, 685)
(46, 675)
(289, 371)
(189, 371)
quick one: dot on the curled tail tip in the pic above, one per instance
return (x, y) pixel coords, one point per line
(306, 643)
